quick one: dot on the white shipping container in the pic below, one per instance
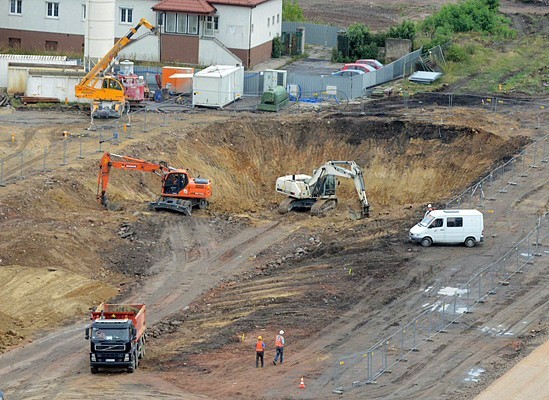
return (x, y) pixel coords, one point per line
(6, 59)
(56, 86)
(218, 85)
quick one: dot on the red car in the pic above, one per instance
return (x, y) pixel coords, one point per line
(361, 67)
(372, 63)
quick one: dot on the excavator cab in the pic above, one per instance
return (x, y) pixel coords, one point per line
(174, 183)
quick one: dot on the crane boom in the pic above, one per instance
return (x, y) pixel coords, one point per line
(108, 89)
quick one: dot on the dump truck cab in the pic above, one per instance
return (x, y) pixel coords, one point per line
(117, 338)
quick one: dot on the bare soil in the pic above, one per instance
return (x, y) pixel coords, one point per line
(215, 281)
(381, 15)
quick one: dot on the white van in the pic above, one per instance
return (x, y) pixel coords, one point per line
(450, 227)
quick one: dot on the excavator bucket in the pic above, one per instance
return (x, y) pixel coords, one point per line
(356, 215)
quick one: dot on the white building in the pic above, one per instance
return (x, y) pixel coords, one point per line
(199, 32)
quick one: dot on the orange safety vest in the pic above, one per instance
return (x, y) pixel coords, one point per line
(278, 341)
(259, 346)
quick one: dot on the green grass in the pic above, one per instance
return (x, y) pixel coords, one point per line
(494, 66)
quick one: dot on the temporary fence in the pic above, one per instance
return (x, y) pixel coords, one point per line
(366, 367)
(504, 177)
(70, 147)
(350, 87)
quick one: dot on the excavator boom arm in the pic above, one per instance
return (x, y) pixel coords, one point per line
(128, 163)
(354, 172)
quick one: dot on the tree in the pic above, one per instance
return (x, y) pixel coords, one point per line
(291, 11)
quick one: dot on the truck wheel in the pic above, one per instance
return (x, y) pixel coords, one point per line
(94, 370)
(132, 367)
(470, 242)
(426, 241)
(142, 352)
(202, 204)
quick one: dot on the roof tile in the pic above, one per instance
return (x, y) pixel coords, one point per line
(186, 6)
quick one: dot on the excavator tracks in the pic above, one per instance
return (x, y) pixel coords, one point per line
(286, 205)
(322, 206)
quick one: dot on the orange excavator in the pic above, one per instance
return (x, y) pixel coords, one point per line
(180, 192)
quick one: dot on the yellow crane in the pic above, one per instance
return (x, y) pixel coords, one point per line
(107, 92)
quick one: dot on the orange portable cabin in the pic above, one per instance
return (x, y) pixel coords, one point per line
(177, 79)
(133, 312)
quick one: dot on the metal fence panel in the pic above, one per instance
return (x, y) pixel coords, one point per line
(321, 35)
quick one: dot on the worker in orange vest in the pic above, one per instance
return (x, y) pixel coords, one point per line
(279, 344)
(259, 351)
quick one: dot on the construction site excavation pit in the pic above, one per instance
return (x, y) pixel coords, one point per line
(213, 281)
(404, 162)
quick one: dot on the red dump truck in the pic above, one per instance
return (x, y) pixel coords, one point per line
(117, 336)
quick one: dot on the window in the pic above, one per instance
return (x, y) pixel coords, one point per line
(16, 6)
(273, 20)
(193, 24)
(277, 18)
(437, 223)
(181, 23)
(52, 9)
(454, 222)
(126, 15)
(14, 43)
(83, 12)
(211, 24)
(268, 22)
(170, 22)
(51, 45)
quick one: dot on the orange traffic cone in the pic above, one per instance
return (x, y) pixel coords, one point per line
(302, 384)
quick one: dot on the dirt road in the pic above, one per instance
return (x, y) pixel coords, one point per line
(55, 366)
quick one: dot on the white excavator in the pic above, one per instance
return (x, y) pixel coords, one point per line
(317, 193)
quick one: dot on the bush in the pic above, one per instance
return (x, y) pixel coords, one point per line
(278, 47)
(406, 30)
(456, 53)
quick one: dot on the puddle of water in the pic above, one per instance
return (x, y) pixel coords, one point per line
(474, 373)
(450, 291)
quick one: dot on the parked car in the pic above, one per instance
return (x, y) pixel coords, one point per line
(349, 72)
(361, 67)
(372, 63)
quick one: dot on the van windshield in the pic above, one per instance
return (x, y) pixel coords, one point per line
(426, 221)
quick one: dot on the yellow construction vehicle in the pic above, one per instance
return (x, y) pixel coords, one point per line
(107, 92)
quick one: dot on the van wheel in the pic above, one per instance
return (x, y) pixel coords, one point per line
(94, 370)
(470, 242)
(426, 241)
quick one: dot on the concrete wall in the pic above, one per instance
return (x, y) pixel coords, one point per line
(212, 52)
(396, 48)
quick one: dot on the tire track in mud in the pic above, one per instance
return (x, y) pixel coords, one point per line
(195, 261)
(438, 267)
